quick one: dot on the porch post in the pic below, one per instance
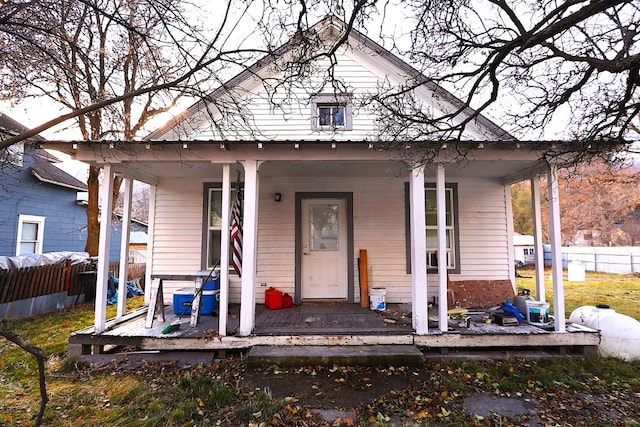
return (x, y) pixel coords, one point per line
(538, 249)
(556, 249)
(249, 239)
(225, 238)
(124, 249)
(442, 249)
(102, 276)
(420, 308)
(153, 190)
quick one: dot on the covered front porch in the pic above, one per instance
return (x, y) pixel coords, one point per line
(331, 324)
(384, 206)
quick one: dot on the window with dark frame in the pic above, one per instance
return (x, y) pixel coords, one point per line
(213, 224)
(451, 228)
(331, 112)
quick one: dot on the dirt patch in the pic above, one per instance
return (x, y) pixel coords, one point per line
(333, 387)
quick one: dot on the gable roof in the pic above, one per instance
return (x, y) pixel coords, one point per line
(333, 27)
(45, 171)
(42, 168)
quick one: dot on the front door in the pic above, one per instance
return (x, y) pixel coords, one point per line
(324, 249)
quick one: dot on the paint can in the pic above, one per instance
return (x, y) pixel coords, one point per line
(377, 299)
(537, 312)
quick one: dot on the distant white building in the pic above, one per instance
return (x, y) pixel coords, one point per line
(523, 247)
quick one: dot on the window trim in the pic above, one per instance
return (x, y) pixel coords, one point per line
(39, 220)
(330, 99)
(456, 226)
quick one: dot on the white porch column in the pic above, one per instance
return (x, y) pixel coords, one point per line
(102, 277)
(419, 298)
(538, 249)
(225, 238)
(249, 246)
(153, 191)
(556, 249)
(442, 249)
(124, 249)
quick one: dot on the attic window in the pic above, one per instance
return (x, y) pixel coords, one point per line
(331, 115)
(331, 112)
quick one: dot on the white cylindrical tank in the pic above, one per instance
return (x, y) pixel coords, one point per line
(619, 333)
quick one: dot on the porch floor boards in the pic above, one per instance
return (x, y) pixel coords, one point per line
(333, 319)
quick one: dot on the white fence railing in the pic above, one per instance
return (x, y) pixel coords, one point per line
(619, 259)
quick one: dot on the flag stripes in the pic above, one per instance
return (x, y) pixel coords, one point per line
(236, 231)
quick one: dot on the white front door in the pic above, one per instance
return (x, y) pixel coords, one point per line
(324, 249)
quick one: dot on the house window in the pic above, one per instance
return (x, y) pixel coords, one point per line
(528, 251)
(213, 221)
(451, 227)
(30, 234)
(331, 112)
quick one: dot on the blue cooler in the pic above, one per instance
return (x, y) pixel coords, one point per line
(214, 281)
(182, 301)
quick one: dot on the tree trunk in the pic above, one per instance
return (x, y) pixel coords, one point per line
(93, 211)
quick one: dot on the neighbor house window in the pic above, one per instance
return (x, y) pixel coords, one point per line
(213, 221)
(30, 234)
(431, 230)
(331, 112)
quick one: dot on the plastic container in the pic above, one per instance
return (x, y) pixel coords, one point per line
(287, 301)
(619, 333)
(214, 281)
(183, 297)
(377, 299)
(537, 312)
(575, 272)
(273, 299)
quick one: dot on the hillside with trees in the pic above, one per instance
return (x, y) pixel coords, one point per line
(599, 205)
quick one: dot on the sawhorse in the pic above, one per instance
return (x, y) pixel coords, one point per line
(156, 298)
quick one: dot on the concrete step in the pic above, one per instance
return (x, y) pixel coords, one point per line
(364, 355)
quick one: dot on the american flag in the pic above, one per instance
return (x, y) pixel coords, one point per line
(236, 231)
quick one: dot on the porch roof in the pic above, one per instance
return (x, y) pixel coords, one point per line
(149, 161)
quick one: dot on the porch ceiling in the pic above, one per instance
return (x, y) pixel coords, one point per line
(150, 171)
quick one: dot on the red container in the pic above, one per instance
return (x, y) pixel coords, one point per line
(287, 301)
(273, 299)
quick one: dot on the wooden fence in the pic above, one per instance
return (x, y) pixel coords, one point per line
(31, 282)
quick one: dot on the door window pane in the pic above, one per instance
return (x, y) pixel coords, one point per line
(323, 227)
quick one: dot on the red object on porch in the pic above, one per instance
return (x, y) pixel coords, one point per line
(273, 299)
(287, 301)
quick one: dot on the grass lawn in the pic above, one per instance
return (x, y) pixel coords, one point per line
(566, 391)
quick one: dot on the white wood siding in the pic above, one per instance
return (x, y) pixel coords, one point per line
(286, 114)
(379, 227)
(484, 245)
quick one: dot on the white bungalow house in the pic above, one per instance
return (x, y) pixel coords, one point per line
(317, 188)
(523, 246)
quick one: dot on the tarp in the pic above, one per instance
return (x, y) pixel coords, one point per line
(37, 260)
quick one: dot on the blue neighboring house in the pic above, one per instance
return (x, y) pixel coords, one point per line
(40, 207)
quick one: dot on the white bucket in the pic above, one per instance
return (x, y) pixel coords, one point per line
(575, 272)
(537, 312)
(377, 299)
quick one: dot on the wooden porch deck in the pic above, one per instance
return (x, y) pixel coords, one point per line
(319, 324)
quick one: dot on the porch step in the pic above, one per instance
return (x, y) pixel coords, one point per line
(358, 355)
